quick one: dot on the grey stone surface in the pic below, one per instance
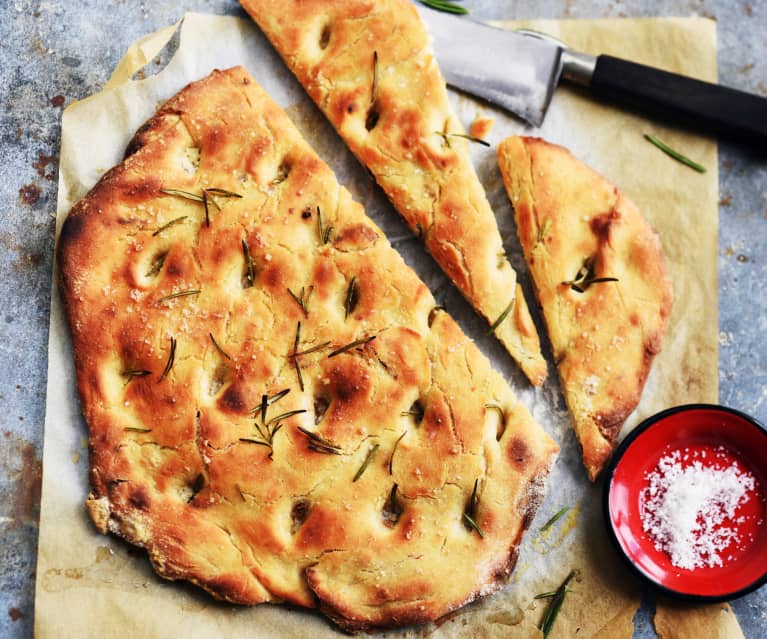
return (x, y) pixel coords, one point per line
(56, 51)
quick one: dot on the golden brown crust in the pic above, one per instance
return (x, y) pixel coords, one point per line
(172, 387)
(605, 337)
(368, 65)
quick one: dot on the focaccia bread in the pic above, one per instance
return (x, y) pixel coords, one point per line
(600, 275)
(369, 66)
(277, 410)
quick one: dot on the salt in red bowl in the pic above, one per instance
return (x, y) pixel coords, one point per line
(691, 429)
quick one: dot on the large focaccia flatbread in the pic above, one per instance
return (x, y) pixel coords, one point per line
(576, 227)
(348, 467)
(368, 65)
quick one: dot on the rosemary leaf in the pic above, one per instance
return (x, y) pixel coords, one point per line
(296, 363)
(171, 359)
(303, 300)
(351, 294)
(394, 450)
(502, 316)
(221, 193)
(585, 276)
(191, 291)
(354, 344)
(185, 194)
(497, 408)
(285, 415)
(675, 154)
(168, 225)
(205, 201)
(250, 274)
(260, 442)
(432, 314)
(322, 231)
(313, 349)
(546, 595)
(557, 516)
(375, 78)
(136, 429)
(392, 509)
(131, 373)
(444, 5)
(470, 138)
(473, 524)
(365, 463)
(218, 347)
(264, 407)
(555, 605)
(278, 396)
(319, 444)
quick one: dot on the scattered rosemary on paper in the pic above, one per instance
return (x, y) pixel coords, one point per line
(446, 6)
(365, 463)
(470, 514)
(556, 599)
(675, 154)
(585, 277)
(557, 516)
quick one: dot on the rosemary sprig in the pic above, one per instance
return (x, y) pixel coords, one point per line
(470, 514)
(502, 316)
(555, 605)
(357, 342)
(250, 274)
(136, 429)
(585, 277)
(351, 297)
(470, 138)
(269, 427)
(205, 198)
(675, 154)
(135, 372)
(444, 5)
(218, 346)
(323, 232)
(171, 359)
(557, 516)
(365, 463)
(319, 444)
(374, 88)
(165, 227)
(191, 291)
(303, 300)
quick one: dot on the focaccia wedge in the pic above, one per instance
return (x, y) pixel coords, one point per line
(600, 275)
(369, 66)
(277, 410)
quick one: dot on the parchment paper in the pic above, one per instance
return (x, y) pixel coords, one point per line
(89, 585)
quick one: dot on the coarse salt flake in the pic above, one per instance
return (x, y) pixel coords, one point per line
(684, 509)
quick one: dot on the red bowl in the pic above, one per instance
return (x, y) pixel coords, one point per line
(695, 427)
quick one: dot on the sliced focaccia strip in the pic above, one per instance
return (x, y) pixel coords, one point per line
(600, 275)
(369, 66)
(277, 409)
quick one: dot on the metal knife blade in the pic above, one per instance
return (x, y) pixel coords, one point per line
(514, 71)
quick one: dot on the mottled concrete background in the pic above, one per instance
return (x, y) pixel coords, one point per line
(54, 52)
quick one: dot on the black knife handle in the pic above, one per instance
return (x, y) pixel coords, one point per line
(701, 105)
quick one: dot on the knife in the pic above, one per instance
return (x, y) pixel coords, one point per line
(519, 70)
